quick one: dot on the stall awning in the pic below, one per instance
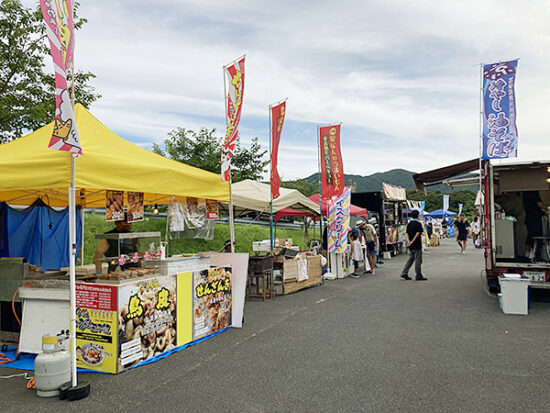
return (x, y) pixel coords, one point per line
(438, 175)
(289, 212)
(28, 169)
(251, 196)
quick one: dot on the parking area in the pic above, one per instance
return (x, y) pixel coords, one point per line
(377, 343)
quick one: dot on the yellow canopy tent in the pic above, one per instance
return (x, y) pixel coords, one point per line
(29, 170)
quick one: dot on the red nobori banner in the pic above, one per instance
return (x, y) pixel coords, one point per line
(332, 168)
(277, 119)
(234, 75)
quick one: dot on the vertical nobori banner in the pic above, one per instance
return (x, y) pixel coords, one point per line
(500, 135)
(338, 222)
(277, 119)
(332, 168)
(445, 203)
(234, 79)
(58, 15)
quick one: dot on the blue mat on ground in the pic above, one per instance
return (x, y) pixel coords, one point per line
(26, 361)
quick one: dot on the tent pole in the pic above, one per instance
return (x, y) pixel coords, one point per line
(231, 217)
(72, 257)
(270, 178)
(321, 199)
(231, 220)
(320, 188)
(82, 235)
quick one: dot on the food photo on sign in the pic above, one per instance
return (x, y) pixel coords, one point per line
(212, 209)
(146, 320)
(96, 327)
(114, 205)
(211, 301)
(135, 206)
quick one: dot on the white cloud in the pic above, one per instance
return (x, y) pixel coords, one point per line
(403, 73)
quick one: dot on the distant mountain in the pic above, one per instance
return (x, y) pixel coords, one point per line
(397, 177)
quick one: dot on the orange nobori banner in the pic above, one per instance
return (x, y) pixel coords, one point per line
(234, 78)
(332, 168)
(277, 120)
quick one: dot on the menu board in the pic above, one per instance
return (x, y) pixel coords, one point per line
(212, 209)
(135, 206)
(96, 327)
(146, 319)
(114, 205)
(211, 301)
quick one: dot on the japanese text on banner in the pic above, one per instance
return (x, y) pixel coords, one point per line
(332, 168)
(277, 119)
(58, 15)
(500, 135)
(339, 220)
(234, 74)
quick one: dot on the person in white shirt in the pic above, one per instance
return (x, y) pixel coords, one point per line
(356, 254)
(475, 228)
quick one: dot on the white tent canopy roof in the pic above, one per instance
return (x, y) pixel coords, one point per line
(251, 196)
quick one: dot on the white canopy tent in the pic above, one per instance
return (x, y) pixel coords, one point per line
(251, 196)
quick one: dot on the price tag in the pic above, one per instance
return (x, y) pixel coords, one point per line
(535, 276)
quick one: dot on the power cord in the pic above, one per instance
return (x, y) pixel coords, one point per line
(30, 379)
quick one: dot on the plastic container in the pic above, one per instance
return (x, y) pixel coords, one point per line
(514, 290)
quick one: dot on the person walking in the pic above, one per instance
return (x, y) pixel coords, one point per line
(462, 227)
(368, 233)
(414, 242)
(444, 227)
(356, 254)
(475, 232)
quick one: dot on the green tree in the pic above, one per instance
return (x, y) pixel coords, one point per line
(27, 86)
(305, 187)
(203, 150)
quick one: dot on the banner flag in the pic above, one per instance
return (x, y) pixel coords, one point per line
(58, 15)
(332, 168)
(394, 193)
(445, 203)
(460, 206)
(277, 119)
(338, 222)
(234, 76)
(500, 135)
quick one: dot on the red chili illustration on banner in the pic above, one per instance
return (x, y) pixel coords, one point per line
(277, 119)
(233, 105)
(332, 168)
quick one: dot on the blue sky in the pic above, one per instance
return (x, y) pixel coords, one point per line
(401, 76)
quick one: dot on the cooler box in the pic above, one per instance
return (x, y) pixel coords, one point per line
(515, 293)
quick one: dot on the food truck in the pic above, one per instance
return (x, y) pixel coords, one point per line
(386, 210)
(514, 209)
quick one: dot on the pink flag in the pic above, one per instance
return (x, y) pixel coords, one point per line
(234, 73)
(58, 15)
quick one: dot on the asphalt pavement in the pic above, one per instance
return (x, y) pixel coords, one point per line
(375, 344)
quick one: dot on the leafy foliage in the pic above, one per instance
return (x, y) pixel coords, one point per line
(434, 200)
(305, 187)
(203, 150)
(27, 91)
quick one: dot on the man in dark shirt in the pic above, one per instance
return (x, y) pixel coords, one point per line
(109, 247)
(414, 242)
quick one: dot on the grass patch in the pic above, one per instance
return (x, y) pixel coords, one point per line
(244, 236)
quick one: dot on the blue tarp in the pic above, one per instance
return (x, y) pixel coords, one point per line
(25, 361)
(439, 213)
(40, 234)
